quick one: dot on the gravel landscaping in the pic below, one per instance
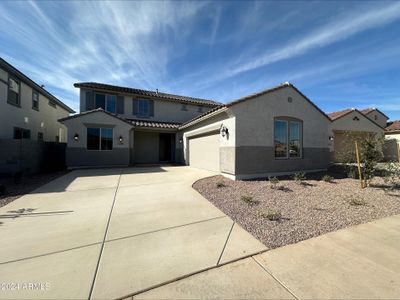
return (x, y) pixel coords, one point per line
(13, 190)
(293, 211)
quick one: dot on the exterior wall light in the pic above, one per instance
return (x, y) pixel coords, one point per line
(180, 141)
(224, 131)
(331, 138)
(121, 139)
(76, 137)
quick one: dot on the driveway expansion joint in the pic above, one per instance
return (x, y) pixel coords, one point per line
(276, 279)
(226, 242)
(104, 238)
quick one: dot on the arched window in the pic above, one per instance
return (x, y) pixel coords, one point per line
(288, 137)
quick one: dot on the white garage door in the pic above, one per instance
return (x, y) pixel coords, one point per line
(204, 152)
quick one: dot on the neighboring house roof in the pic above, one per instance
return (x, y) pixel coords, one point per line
(245, 98)
(155, 94)
(368, 110)
(132, 122)
(341, 113)
(9, 68)
(393, 126)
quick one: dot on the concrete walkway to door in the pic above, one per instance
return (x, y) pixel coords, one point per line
(109, 233)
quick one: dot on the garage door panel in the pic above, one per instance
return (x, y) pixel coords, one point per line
(204, 152)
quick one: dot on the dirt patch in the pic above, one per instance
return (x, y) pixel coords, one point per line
(303, 210)
(27, 184)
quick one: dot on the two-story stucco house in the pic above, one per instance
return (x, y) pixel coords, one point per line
(123, 126)
(27, 110)
(276, 131)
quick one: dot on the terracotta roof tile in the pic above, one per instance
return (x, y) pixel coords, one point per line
(338, 114)
(154, 124)
(393, 126)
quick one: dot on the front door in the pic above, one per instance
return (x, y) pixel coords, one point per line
(166, 147)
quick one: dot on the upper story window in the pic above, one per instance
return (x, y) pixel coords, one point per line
(52, 103)
(184, 107)
(14, 91)
(143, 108)
(99, 138)
(35, 100)
(288, 138)
(106, 102)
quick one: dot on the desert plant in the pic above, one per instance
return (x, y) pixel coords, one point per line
(220, 184)
(356, 201)
(299, 176)
(392, 175)
(248, 199)
(351, 173)
(272, 215)
(274, 182)
(327, 178)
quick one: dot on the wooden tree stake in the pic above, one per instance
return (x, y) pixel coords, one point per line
(359, 165)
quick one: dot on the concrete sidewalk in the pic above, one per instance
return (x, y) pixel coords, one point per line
(108, 233)
(361, 262)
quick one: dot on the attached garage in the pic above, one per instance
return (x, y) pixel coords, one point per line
(204, 153)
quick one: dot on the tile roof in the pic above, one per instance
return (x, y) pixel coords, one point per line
(154, 124)
(338, 114)
(366, 111)
(393, 126)
(88, 112)
(155, 94)
(11, 69)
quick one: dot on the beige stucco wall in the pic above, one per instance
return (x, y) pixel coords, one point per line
(166, 111)
(347, 123)
(227, 143)
(395, 136)
(97, 119)
(378, 118)
(391, 147)
(256, 119)
(45, 120)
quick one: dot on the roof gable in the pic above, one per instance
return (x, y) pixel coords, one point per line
(343, 113)
(369, 110)
(393, 126)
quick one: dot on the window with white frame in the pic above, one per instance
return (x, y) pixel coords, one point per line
(99, 138)
(288, 138)
(106, 102)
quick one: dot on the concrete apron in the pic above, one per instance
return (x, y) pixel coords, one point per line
(107, 233)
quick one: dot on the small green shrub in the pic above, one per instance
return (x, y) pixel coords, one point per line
(327, 178)
(220, 184)
(248, 200)
(299, 176)
(355, 201)
(272, 215)
(274, 182)
(352, 173)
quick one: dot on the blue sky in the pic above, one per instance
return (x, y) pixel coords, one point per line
(340, 54)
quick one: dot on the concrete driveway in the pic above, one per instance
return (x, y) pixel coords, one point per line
(109, 233)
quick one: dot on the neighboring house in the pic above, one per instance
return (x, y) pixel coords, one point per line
(350, 124)
(376, 115)
(123, 126)
(392, 144)
(277, 131)
(27, 110)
